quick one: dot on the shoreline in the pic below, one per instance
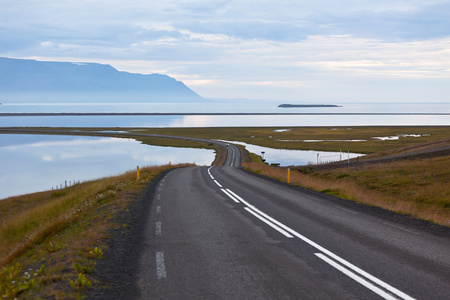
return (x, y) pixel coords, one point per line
(218, 114)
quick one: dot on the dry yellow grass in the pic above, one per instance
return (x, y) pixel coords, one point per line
(398, 186)
(48, 249)
(20, 229)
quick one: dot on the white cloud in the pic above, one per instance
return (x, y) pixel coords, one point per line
(227, 48)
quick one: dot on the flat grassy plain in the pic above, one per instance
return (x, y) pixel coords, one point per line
(353, 139)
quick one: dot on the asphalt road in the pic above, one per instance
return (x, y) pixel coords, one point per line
(222, 233)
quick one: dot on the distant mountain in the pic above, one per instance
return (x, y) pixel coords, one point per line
(40, 81)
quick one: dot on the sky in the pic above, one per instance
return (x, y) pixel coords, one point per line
(323, 51)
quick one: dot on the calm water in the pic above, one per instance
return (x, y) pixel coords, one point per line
(295, 157)
(224, 121)
(32, 163)
(37, 163)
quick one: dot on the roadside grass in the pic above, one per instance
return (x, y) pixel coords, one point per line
(50, 250)
(418, 188)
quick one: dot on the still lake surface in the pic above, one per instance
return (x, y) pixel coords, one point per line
(295, 157)
(31, 163)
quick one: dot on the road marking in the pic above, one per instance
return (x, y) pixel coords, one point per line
(400, 228)
(355, 277)
(342, 261)
(158, 209)
(209, 173)
(158, 228)
(346, 263)
(348, 210)
(286, 234)
(218, 183)
(232, 156)
(230, 196)
(236, 196)
(160, 267)
(158, 197)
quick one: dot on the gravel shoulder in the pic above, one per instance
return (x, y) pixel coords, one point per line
(118, 270)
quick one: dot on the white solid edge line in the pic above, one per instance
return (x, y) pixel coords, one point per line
(355, 277)
(230, 196)
(160, 267)
(235, 195)
(329, 253)
(218, 183)
(269, 223)
(346, 263)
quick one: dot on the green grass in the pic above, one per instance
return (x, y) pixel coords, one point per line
(293, 139)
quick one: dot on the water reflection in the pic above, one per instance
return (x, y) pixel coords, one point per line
(33, 163)
(295, 157)
(224, 121)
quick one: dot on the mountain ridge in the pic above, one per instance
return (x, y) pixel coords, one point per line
(31, 80)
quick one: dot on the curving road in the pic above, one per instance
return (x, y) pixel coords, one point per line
(222, 233)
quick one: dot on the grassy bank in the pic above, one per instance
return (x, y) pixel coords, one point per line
(418, 188)
(49, 250)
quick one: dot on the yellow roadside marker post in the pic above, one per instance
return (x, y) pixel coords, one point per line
(289, 175)
(137, 172)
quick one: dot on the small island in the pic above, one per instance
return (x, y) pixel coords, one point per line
(307, 105)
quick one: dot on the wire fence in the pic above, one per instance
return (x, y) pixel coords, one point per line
(10, 213)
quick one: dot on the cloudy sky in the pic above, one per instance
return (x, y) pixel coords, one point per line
(303, 51)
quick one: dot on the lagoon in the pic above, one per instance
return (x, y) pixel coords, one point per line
(32, 163)
(295, 157)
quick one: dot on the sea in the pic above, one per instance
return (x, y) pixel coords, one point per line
(347, 114)
(32, 163)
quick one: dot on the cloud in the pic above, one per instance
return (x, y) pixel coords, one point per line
(236, 46)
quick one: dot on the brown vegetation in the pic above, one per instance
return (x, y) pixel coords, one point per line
(50, 249)
(414, 187)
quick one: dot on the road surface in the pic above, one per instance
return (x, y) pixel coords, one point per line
(222, 233)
